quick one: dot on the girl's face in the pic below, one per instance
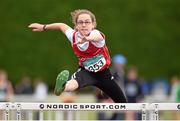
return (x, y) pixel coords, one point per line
(84, 24)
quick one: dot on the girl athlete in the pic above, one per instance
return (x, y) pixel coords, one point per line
(89, 46)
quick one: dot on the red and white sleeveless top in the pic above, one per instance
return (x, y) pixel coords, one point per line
(94, 58)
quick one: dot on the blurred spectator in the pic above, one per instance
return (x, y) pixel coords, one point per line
(133, 86)
(160, 90)
(145, 88)
(133, 90)
(175, 94)
(174, 87)
(40, 90)
(178, 100)
(40, 93)
(6, 89)
(25, 86)
(178, 93)
(118, 71)
(68, 97)
(102, 98)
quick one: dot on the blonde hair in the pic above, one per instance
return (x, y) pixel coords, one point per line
(75, 14)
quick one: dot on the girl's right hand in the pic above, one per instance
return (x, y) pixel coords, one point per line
(36, 27)
(81, 39)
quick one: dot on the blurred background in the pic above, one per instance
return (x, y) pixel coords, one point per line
(142, 36)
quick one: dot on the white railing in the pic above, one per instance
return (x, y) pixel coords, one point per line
(148, 111)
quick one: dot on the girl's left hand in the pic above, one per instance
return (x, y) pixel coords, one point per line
(82, 39)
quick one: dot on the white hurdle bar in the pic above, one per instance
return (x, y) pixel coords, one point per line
(144, 108)
(72, 107)
(85, 107)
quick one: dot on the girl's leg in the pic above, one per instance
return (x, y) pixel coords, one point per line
(79, 79)
(110, 87)
(113, 91)
(62, 83)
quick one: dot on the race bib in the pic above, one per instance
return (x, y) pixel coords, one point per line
(95, 64)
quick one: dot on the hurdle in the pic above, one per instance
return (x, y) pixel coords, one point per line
(146, 109)
(18, 107)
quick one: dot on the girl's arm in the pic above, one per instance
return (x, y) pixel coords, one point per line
(54, 26)
(94, 36)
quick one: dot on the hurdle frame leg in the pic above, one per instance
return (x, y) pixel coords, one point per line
(18, 111)
(6, 113)
(144, 112)
(155, 112)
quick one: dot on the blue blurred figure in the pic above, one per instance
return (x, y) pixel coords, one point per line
(118, 71)
(160, 90)
(133, 91)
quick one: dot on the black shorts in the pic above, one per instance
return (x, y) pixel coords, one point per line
(103, 80)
